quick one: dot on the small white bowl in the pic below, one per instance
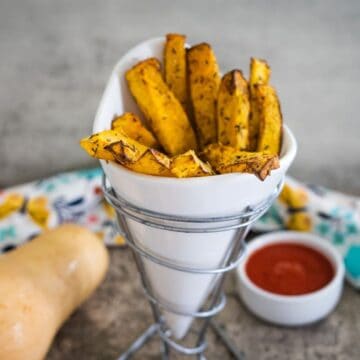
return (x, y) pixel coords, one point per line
(294, 310)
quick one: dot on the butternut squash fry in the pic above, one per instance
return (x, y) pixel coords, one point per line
(116, 146)
(96, 145)
(259, 75)
(165, 115)
(270, 126)
(259, 72)
(132, 126)
(204, 82)
(152, 162)
(175, 66)
(189, 165)
(226, 159)
(233, 109)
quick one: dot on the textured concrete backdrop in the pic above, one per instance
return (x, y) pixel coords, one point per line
(57, 55)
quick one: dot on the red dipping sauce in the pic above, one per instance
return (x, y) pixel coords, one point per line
(289, 269)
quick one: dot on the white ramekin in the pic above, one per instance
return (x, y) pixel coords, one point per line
(292, 310)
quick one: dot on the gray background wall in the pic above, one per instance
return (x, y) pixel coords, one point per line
(56, 57)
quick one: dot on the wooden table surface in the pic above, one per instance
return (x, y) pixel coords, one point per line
(117, 313)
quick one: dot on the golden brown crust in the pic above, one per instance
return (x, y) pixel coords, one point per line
(204, 81)
(163, 111)
(152, 162)
(175, 66)
(226, 159)
(270, 117)
(233, 109)
(132, 126)
(97, 145)
(189, 165)
(260, 73)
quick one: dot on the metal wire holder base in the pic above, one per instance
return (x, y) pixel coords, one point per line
(239, 222)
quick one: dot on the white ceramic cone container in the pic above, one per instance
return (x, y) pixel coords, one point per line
(218, 195)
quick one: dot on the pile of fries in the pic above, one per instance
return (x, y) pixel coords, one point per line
(196, 123)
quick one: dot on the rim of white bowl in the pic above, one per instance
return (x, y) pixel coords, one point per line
(285, 160)
(311, 240)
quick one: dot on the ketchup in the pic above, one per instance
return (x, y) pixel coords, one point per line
(289, 269)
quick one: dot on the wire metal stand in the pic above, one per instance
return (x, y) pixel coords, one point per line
(239, 222)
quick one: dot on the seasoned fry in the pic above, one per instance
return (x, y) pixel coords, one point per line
(270, 126)
(189, 165)
(259, 75)
(97, 145)
(117, 146)
(175, 66)
(259, 72)
(126, 150)
(152, 162)
(132, 126)
(233, 110)
(226, 159)
(204, 81)
(166, 117)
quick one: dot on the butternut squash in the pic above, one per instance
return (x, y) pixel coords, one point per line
(42, 283)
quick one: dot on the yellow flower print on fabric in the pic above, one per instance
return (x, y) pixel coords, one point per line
(13, 202)
(294, 198)
(109, 210)
(296, 201)
(38, 210)
(119, 240)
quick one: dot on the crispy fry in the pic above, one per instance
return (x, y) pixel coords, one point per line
(233, 110)
(270, 126)
(259, 72)
(126, 150)
(225, 159)
(152, 162)
(165, 115)
(99, 146)
(175, 66)
(259, 75)
(132, 126)
(117, 146)
(204, 81)
(189, 165)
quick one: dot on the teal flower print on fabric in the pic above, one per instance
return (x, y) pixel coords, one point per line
(7, 233)
(352, 261)
(323, 228)
(90, 174)
(352, 229)
(338, 238)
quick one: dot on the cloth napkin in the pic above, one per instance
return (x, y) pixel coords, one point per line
(29, 209)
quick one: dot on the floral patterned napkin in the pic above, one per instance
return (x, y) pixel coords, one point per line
(27, 210)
